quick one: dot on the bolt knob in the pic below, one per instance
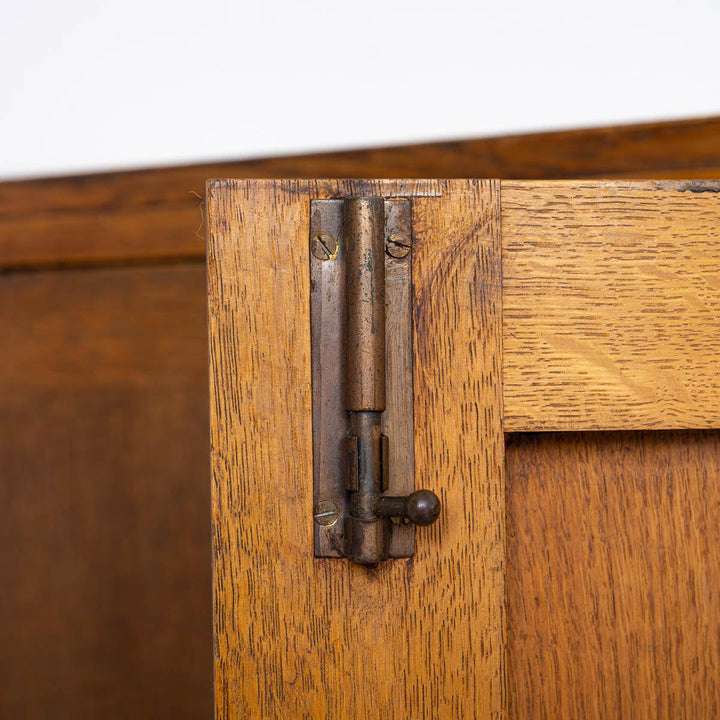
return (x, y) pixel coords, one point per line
(421, 507)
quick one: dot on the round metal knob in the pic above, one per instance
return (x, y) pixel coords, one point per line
(421, 507)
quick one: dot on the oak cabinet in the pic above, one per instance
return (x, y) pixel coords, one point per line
(105, 557)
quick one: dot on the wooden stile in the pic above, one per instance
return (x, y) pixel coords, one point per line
(297, 636)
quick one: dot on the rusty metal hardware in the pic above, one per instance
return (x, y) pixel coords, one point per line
(361, 316)
(420, 508)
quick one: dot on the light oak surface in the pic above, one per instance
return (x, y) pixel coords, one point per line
(611, 294)
(301, 637)
(611, 602)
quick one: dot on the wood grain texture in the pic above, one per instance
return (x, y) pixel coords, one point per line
(58, 658)
(105, 607)
(154, 214)
(613, 575)
(88, 236)
(611, 305)
(300, 637)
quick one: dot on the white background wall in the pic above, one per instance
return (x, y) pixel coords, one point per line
(97, 84)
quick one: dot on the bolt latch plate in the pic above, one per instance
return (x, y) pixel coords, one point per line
(335, 448)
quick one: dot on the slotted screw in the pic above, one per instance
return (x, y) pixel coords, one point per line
(326, 513)
(397, 245)
(324, 246)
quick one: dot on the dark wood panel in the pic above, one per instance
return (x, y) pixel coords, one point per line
(156, 213)
(613, 575)
(104, 490)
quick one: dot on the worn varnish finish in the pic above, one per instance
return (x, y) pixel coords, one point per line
(297, 636)
(611, 305)
(613, 575)
(154, 215)
(105, 602)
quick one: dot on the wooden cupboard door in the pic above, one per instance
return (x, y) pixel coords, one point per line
(537, 308)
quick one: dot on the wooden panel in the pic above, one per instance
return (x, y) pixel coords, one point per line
(104, 538)
(611, 305)
(297, 636)
(150, 214)
(613, 575)
(42, 239)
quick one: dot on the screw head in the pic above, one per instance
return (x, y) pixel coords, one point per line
(324, 246)
(326, 513)
(397, 245)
